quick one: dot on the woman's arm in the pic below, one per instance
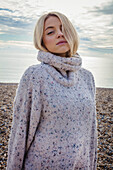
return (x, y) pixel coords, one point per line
(21, 126)
(94, 127)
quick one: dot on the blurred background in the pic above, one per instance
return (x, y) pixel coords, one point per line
(93, 21)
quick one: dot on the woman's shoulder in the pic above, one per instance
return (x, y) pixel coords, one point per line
(31, 69)
(31, 73)
(88, 78)
(86, 73)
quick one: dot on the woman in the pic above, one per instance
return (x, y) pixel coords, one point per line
(54, 123)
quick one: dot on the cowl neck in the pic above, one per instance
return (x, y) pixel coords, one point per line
(62, 69)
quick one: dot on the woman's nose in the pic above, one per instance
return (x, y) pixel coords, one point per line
(59, 34)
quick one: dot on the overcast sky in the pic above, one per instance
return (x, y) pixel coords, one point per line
(93, 21)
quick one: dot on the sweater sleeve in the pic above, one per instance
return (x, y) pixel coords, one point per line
(23, 125)
(94, 127)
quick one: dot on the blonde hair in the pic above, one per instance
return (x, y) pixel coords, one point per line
(68, 30)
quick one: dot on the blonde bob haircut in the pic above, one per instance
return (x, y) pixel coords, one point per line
(68, 31)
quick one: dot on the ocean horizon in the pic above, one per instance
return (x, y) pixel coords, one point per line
(12, 68)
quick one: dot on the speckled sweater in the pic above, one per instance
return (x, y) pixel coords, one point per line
(54, 120)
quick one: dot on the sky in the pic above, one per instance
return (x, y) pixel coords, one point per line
(93, 21)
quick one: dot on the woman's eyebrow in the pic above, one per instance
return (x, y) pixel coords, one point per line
(49, 27)
(52, 27)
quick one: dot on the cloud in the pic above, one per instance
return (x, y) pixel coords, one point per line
(20, 14)
(93, 23)
(5, 9)
(96, 27)
(105, 9)
(26, 9)
(18, 22)
(23, 44)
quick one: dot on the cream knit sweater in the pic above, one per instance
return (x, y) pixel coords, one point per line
(54, 120)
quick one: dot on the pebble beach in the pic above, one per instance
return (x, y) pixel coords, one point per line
(104, 107)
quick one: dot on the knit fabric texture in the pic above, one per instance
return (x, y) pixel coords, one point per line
(54, 117)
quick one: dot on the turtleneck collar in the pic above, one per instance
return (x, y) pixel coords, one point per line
(62, 69)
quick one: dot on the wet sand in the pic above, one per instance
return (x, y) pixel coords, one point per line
(104, 107)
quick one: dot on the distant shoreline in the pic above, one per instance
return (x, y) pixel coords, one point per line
(8, 84)
(2, 84)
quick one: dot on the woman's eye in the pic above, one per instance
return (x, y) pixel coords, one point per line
(50, 32)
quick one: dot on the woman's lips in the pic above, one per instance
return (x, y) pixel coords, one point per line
(61, 42)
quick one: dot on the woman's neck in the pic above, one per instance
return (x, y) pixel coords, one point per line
(67, 54)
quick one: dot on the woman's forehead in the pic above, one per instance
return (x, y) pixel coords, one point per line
(51, 21)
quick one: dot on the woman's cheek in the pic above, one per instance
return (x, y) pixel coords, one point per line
(50, 40)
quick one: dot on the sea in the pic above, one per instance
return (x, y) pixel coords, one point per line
(12, 68)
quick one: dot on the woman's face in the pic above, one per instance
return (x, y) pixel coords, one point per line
(53, 37)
